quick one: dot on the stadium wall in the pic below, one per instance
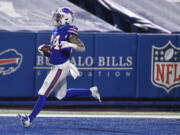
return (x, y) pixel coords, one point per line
(123, 66)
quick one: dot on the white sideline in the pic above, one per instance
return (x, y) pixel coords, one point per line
(101, 116)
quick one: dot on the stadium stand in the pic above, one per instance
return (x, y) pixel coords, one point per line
(30, 16)
(154, 16)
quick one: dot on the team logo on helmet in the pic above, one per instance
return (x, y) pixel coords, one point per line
(165, 67)
(10, 61)
(67, 11)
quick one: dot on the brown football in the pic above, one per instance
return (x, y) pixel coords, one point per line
(46, 50)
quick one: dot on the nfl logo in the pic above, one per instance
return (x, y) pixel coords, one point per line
(165, 67)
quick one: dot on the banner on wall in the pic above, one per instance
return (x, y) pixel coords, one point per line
(165, 67)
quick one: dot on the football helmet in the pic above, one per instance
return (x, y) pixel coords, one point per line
(62, 16)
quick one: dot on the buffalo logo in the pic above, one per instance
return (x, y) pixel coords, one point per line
(165, 70)
(10, 61)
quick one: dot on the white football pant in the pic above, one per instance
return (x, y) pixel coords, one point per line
(56, 81)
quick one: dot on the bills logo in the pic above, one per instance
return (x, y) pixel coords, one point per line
(10, 61)
(166, 66)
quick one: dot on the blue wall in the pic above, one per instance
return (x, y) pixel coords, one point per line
(123, 66)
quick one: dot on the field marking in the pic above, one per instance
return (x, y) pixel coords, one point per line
(100, 116)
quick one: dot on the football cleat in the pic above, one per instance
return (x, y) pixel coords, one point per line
(95, 93)
(25, 120)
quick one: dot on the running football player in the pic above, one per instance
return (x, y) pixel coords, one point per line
(64, 39)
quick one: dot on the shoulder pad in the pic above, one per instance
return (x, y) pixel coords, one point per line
(73, 30)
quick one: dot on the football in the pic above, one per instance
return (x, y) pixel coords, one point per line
(169, 54)
(46, 50)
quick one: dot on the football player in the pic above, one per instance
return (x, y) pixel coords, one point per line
(64, 39)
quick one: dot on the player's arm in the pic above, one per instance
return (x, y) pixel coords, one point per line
(75, 40)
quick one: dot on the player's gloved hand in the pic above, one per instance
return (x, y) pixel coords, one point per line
(39, 49)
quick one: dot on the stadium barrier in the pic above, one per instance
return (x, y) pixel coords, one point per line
(123, 66)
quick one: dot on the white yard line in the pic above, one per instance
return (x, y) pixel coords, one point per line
(100, 116)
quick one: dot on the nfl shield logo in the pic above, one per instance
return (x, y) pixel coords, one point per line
(165, 66)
